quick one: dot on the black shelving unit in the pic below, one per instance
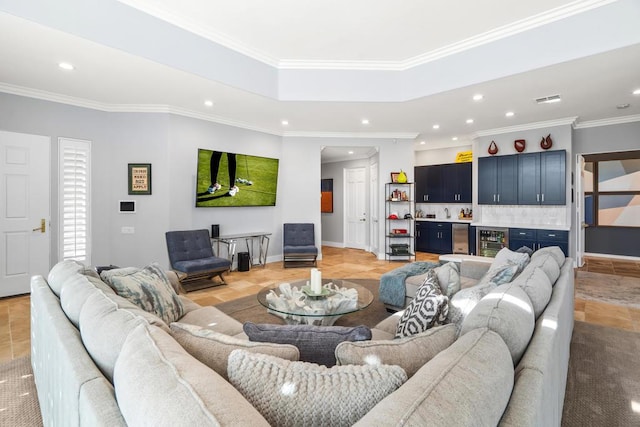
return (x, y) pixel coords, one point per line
(399, 230)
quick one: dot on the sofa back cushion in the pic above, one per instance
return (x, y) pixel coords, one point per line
(75, 291)
(305, 394)
(105, 322)
(158, 383)
(213, 348)
(538, 288)
(554, 251)
(507, 311)
(467, 384)
(63, 270)
(548, 264)
(410, 353)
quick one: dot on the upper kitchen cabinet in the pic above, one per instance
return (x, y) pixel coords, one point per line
(456, 183)
(498, 180)
(449, 183)
(541, 178)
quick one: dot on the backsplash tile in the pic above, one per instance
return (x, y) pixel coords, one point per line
(522, 215)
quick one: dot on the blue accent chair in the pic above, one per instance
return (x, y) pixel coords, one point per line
(191, 257)
(299, 245)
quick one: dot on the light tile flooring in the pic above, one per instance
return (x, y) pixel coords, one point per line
(341, 263)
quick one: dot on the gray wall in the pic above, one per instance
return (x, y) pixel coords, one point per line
(170, 144)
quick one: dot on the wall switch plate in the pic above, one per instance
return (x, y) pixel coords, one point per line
(127, 230)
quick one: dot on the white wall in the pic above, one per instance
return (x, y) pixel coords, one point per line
(439, 156)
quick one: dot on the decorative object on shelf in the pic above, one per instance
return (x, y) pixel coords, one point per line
(402, 177)
(493, 148)
(326, 195)
(393, 215)
(408, 216)
(398, 196)
(519, 145)
(546, 143)
(394, 177)
(399, 231)
(139, 178)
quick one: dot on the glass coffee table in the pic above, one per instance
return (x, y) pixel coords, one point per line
(296, 304)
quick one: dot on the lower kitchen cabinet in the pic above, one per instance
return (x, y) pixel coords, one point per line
(433, 237)
(536, 239)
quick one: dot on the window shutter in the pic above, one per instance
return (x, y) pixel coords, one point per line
(74, 200)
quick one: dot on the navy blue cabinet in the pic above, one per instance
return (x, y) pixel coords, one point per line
(422, 236)
(542, 178)
(498, 180)
(450, 183)
(434, 237)
(536, 239)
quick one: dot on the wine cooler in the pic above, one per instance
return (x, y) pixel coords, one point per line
(489, 241)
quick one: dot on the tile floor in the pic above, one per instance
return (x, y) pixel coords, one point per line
(343, 263)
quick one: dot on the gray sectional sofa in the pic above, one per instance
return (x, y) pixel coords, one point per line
(99, 360)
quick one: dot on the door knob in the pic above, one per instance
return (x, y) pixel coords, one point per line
(43, 226)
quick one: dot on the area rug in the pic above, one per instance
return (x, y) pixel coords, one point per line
(609, 288)
(249, 309)
(603, 384)
(18, 397)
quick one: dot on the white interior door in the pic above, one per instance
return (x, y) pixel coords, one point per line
(24, 223)
(373, 209)
(355, 197)
(579, 204)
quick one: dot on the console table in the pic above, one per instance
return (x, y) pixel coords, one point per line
(231, 241)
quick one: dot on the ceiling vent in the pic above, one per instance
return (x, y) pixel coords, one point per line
(549, 99)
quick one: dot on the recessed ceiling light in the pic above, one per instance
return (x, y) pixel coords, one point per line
(422, 142)
(208, 103)
(509, 114)
(436, 126)
(66, 66)
(636, 92)
(549, 99)
(455, 138)
(469, 121)
(350, 152)
(478, 97)
(285, 123)
(622, 106)
(365, 121)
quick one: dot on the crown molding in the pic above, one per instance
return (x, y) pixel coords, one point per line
(371, 135)
(527, 126)
(607, 122)
(128, 108)
(532, 22)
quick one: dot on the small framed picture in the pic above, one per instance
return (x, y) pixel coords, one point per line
(139, 178)
(394, 176)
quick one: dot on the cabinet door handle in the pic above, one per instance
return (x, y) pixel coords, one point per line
(537, 197)
(542, 197)
(551, 235)
(494, 197)
(498, 198)
(522, 234)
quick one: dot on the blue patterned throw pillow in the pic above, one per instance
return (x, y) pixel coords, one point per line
(148, 288)
(428, 308)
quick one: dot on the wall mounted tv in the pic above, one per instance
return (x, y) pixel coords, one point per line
(232, 179)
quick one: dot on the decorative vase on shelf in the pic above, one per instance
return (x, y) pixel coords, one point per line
(402, 177)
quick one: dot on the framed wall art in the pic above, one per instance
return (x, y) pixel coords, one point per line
(326, 199)
(139, 181)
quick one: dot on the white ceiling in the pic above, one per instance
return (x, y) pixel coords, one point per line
(398, 46)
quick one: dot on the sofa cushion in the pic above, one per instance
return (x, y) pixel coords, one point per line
(212, 318)
(304, 394)
(428, 308)
(548, 264)
(554, 251)
(177, 389)
(62, 271)
(410, 352)
(213, 348)
(74, 293)
(149, 288)
(317, 344)
(538, 288)
(507, 256)
(105, 322)
(468, 384)
(507, 311)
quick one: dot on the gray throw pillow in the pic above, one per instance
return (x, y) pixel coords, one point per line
(317, 344)
(303, 394)
(148, 288)
(428, 308)
(448, 278)
(213, 348)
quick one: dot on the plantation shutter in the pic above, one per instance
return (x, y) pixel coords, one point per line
(74, 200)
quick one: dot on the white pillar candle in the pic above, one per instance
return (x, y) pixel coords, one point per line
(316, 281)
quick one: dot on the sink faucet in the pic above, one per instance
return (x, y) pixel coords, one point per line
(446, 211)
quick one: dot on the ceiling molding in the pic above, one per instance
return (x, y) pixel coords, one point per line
(128, 108)
(607, 122)
(532, 22)
(527, 126)
(373, 135)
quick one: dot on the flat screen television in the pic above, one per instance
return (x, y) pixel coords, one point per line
(232, 179)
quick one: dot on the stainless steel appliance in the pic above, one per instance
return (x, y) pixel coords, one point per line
(460, 237)
(490, 240)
